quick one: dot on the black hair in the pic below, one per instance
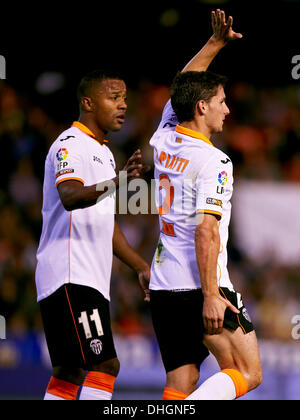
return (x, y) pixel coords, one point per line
(189, 87)
(93, 78)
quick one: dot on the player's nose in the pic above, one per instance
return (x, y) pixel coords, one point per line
(123, 105)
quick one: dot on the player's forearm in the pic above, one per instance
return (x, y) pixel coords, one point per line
(202, 60)
(75, 196)
(125, 252)
(207, 244)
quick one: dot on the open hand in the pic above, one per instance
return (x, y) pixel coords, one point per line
(134, 166)
(223, 31)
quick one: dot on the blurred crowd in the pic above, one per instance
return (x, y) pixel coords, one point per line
(262, 137)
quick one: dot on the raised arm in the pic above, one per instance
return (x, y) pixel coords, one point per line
(222, 34)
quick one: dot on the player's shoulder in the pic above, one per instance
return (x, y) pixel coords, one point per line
(221, 156)
(169, 119)
(210, 159)
(219, 161)
(71, 137)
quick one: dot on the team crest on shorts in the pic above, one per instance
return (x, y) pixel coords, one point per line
(246, 315)
(96, 346)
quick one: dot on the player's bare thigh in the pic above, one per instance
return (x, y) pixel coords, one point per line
(236, 350)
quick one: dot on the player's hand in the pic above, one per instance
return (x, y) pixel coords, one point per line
(144, 278)
(134, 166)
(223, 30)
(214, 307)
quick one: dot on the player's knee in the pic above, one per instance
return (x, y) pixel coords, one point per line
(253, 377)
(111, 367)
(69, 374)
(257, 378)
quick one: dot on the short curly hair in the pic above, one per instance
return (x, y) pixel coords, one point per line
(93, 78)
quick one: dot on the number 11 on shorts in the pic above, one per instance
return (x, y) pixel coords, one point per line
(83, 319)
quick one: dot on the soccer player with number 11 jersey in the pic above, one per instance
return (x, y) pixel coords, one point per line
(78, 241)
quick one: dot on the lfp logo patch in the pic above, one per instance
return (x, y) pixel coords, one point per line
(62, 154)
(222, 178)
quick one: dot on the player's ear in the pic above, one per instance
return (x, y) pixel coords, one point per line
(86, 103)
(201, 107)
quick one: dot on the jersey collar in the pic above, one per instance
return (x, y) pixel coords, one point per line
(87, 131)
(192, 133)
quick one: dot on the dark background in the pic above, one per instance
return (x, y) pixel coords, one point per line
(136, 39)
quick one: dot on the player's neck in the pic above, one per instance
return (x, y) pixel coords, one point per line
(91, 125)
(197, 126)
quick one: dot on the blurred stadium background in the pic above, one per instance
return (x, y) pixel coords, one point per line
(45, 58)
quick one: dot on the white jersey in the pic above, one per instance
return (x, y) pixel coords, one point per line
(76, 246)
(192, 178)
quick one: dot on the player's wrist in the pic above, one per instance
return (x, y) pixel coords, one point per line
(217, 42)
(140, 265)
(210, 293)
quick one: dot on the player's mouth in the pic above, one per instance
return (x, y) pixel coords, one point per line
(120, 118)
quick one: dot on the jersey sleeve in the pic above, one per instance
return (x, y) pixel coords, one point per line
(68, 161)
(212, 185)
(169, 118)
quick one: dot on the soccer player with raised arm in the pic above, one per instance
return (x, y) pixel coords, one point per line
(195, 308)
(78, 240)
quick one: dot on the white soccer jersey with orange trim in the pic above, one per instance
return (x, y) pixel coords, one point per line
(76, 246)
(192, 178)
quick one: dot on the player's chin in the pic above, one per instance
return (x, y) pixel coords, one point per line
(219, 129)
(117, 126)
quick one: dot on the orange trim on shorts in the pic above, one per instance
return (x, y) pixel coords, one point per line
(100, 380)
(223, 293)
(81, 349)
(240, 383)
(63, 389)
(243, 329)
(173, 394)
